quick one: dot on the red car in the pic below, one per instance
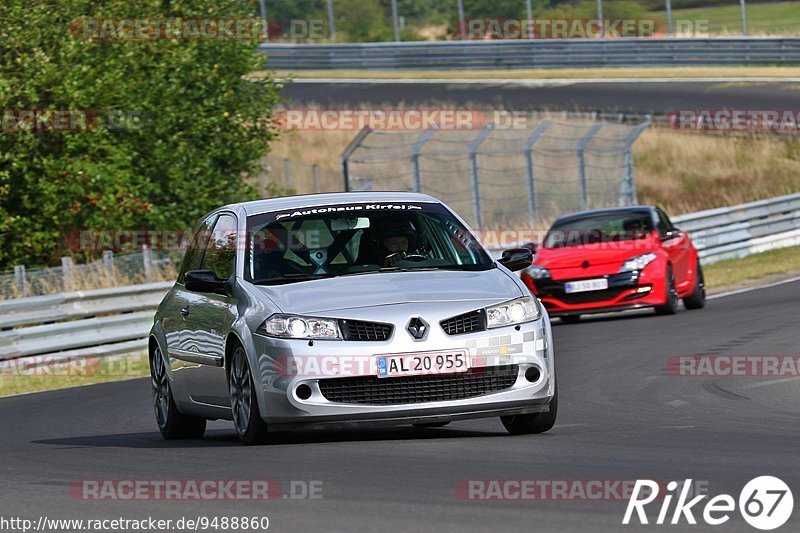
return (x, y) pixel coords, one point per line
(615, 259)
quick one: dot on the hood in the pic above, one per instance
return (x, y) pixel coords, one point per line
(599, 254)
(388, 288)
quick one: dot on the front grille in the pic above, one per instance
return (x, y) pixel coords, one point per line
(466, 323)
(372, 390)
(357, 330)
(590, 296)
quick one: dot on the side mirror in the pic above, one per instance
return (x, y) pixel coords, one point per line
(532, 246)
(203, 281)
(671, 234)
(516, 259)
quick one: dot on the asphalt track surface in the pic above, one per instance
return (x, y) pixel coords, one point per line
(625, 96)
(622, 416)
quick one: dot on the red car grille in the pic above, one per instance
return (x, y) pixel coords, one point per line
(590, 296)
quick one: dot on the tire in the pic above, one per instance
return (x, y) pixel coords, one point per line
(697, 300)
(671, 305)
(570, 319)
(532, 423)
(430, 425)
(172, 423)
(250, 427)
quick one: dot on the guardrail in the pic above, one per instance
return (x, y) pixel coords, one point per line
(117, 320)
(97, 322)
(738, 231)
(537, 53)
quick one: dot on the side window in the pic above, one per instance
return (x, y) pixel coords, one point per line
(667, 221)
(220, 253)
(664, 225)
(194, 246)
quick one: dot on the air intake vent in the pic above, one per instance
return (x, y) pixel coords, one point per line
(466, 323)
(356, 330)
(419, 389)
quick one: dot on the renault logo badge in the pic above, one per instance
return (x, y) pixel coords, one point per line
(418, 328)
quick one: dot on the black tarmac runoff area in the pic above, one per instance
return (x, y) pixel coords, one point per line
(624, 414)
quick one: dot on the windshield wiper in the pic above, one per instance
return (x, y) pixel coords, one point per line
(289, 278)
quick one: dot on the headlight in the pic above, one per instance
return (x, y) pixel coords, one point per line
(638, 262)
(537, 272)
(513, 312)
(299, 327)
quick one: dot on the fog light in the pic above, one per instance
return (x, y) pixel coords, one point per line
(533, 374)
(303, 392)
(642, 290)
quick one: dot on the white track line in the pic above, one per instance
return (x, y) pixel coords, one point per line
(548, 82)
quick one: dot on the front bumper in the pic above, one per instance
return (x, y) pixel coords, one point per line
(626, 290)
(286, 366)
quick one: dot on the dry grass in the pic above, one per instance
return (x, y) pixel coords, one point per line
(688, 171)
(754, 267)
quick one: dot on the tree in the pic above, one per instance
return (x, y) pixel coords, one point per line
(187, 127)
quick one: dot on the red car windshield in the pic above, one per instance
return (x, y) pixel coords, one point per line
(599, 228)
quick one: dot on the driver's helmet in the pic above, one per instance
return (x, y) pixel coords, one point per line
(396, 227)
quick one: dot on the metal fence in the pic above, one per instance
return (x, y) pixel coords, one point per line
(544, 53)
(498, 177)
(111, 270)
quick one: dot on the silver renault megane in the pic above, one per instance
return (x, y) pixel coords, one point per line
(376, 308)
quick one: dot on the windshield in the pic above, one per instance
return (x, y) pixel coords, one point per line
(600, 228)
(349, 239)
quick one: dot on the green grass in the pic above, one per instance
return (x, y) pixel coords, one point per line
(753, 267)
(781, 18)
(17, 378)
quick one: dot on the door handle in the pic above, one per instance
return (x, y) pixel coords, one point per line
(185, 311)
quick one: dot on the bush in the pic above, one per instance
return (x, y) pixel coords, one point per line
(192, 128)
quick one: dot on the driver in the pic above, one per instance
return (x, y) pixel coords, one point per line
(396, 238)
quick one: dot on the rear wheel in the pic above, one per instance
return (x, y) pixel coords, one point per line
(570, 319)
(250, 427)
(532, 423)
(697, 300)
(171, 423)
(671, 305)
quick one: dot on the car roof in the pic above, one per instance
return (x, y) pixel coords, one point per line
(638, 209)
(314, 200)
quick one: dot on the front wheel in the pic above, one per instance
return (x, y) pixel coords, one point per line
(250, 427)
(532, 423)
(670, 307)
(171, 423)
(697, 300)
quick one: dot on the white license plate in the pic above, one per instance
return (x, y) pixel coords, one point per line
(415, 364)
(586, 285)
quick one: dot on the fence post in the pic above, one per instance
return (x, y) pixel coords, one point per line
(627, 190)
(287, 173)
(582, 163)
(315, 172)
(21, 278)
(66, 272)
(474, 174)
(345, 157)
(534, 136)
(415, 151)
(147, 260)
(108, 262)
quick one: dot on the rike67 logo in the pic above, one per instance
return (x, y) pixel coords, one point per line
(765, 503)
